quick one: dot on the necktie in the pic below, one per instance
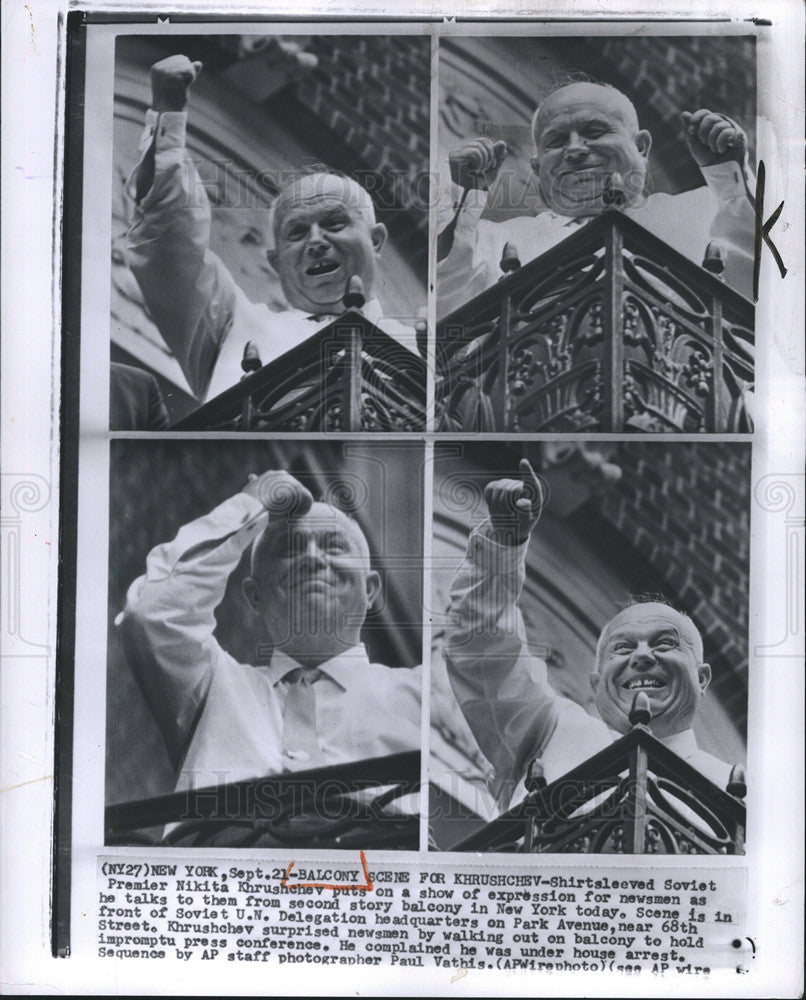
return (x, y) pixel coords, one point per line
(300, 738)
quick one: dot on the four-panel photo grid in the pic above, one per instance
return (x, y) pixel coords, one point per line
(431, 413)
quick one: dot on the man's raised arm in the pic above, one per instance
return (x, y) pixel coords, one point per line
(719, 147)
(500, 685)
(467, 252)
(168, 622)
(189, 292)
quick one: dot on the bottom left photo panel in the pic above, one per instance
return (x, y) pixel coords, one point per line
(264, 679)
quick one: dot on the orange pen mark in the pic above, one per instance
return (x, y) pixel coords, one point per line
(368, 886)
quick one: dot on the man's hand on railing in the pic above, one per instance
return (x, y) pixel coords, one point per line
(514, 506)
(714, 138)
(171, 78)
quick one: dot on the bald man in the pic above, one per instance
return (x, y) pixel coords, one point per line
(503, 689)
(322, 230)
(319, 701)
(586, 139)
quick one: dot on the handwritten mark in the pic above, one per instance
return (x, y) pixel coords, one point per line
(763, 230)
(33, 33)
(20, 784)
(367, 886)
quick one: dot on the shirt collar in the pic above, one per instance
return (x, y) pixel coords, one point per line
(683, 744)
(343, 669)
(371, 310)
(569, 221)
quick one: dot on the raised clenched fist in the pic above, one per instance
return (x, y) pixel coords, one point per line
(514, 505)
(171, 79)
(475, 163)
(713, 137)
(280, 493)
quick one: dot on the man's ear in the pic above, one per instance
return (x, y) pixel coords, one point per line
(272, 256)
(373, 587)
(595, 678)
(250, 593)
(378, 234)
(704, 676)
(535, 161)
(643, 140)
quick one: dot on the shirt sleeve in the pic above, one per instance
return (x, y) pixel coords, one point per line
(168, 622)
(189, 292)
(471, 264)
(500, 684)
(734, 223)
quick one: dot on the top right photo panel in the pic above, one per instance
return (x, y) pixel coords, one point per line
(596, 224)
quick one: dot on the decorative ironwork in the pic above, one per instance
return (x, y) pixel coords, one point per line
(349, 376)
(611, 330)
(343, 806)
(635, 797)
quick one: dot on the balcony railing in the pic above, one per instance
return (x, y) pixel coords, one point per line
(635, 797)
(349, 376)
(342, 806)
(611, 330)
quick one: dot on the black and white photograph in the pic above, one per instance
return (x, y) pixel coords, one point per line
(265, 623)
(402, 499)
(270, 232)
(592, 664)
(596, 226)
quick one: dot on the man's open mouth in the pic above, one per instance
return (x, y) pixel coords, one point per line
(327, 266)
(642, 683)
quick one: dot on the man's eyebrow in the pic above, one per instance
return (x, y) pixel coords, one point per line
(670, 630)
(336, 211)
(615, 636)
(579, 123)
(291, 221)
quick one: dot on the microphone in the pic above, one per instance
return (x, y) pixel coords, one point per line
(613, 193)
(251, 359)
(714, 259)
(510, 260)
(354, 293)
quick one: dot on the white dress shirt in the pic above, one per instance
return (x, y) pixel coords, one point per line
(720, 210)
(223, 719)
(204, 317)
(503, 689)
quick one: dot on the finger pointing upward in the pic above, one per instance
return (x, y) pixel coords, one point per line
(532, 498)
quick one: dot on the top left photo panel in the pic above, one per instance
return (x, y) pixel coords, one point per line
(269, 238)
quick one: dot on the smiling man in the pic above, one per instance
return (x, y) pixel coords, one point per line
(322, 232)
(503, 689)
(591, 154)
(319, 700)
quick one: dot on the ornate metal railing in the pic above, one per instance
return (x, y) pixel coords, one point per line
(343, 806)
(635, 797)
(611, 330)
(349, 376)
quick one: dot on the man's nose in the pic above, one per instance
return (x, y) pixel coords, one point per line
(316, 244)
(312, 553)
(642, 656)
(576, 149)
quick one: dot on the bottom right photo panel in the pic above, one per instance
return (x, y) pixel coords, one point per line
(590, 647)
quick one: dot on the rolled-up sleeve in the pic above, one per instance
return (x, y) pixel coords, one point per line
(190, 294)
(168, 622)
(500, 684)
